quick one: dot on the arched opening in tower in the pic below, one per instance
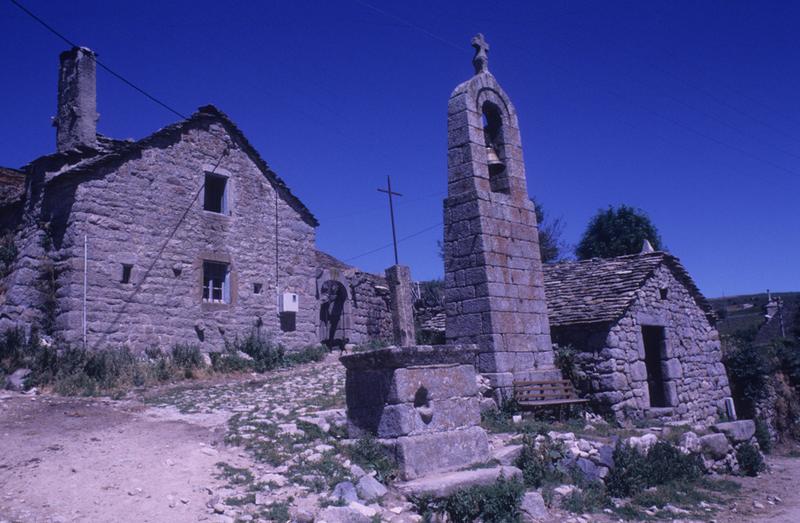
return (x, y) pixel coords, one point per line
(495, 152)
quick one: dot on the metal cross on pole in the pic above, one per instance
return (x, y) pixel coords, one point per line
(390, 193)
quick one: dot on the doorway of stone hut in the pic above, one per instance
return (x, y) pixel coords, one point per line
(654, 353)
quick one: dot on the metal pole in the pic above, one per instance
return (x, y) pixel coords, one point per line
(85, 280)
(391, 212)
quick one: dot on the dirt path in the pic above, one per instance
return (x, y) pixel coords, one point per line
(64, 459)
(782, 481)
(68, 459)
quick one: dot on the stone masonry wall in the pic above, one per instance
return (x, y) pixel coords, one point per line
(494, 288)
(611, 358)
(147, 211)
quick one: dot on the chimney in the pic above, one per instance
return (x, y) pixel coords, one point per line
(76, 121)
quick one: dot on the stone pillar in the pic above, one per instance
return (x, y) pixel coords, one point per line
(399, 279)
(494, 285)
(76, 120)
(421, 402)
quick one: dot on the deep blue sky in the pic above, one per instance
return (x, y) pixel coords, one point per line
(688, 110)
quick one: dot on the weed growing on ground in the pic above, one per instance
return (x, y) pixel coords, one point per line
(763, 436)
(496, 503)
(539, 462)
(592, 497)
(369, 454)
(750, 460)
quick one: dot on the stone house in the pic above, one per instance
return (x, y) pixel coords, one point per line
(644, 335)
(184, 236)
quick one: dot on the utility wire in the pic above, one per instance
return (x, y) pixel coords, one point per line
(609, 90)
(98, 62)
(404, 238)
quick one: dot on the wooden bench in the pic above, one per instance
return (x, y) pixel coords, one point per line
(532, 394)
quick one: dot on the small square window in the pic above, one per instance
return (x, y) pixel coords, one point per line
(215, 194)
(216, 282)
(663, 293)
(127, 268)
(257, 288)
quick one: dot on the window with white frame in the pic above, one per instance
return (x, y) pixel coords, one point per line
(216, 282)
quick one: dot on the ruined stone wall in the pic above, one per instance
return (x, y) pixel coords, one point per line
(371, 313)
(148, 212)
(611, 357)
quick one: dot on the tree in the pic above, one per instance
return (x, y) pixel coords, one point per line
(551, 245)
(617, 232)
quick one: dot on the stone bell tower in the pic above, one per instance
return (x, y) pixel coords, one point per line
(494, 286)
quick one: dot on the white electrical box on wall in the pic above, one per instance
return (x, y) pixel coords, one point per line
(289, 302)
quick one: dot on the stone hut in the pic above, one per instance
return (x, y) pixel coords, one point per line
(644, 335)
(184, 236)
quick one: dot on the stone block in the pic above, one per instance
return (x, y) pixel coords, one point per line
(442, 485)
(671, 393)
(440, 382)
(737, 431)
(507, 455)
(369, 488)
(638, 371)
(435, 416)
(672, 369)
(533, 507)
(714, 445)
(426, 454)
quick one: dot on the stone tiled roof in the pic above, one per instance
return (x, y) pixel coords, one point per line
(597, 290)
(600, 290)
(110, 151)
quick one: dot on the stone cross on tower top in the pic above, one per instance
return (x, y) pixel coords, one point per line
(481, 59)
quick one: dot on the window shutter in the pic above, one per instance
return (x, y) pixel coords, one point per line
(226, 286)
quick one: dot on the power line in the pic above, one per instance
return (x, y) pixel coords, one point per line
(98, 62)
(404, 238)
(609, 90)
(411, 24)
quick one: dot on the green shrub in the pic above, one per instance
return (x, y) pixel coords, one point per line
(308, 354)
(763, 436)
(187, 357)
(565, 361)
(666, 463)
(266, 354)
(629, 475)
(12, 348)
(539, 463)
(748, 370)
(229, 360)
(496, 503)
(370, 454)
(592, 497)
(750, 460)
(8, 253)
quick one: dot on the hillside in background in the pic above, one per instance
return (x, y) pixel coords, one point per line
(745, 315)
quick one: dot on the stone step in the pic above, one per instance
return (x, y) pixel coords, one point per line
(442, 485)
(655, 413)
